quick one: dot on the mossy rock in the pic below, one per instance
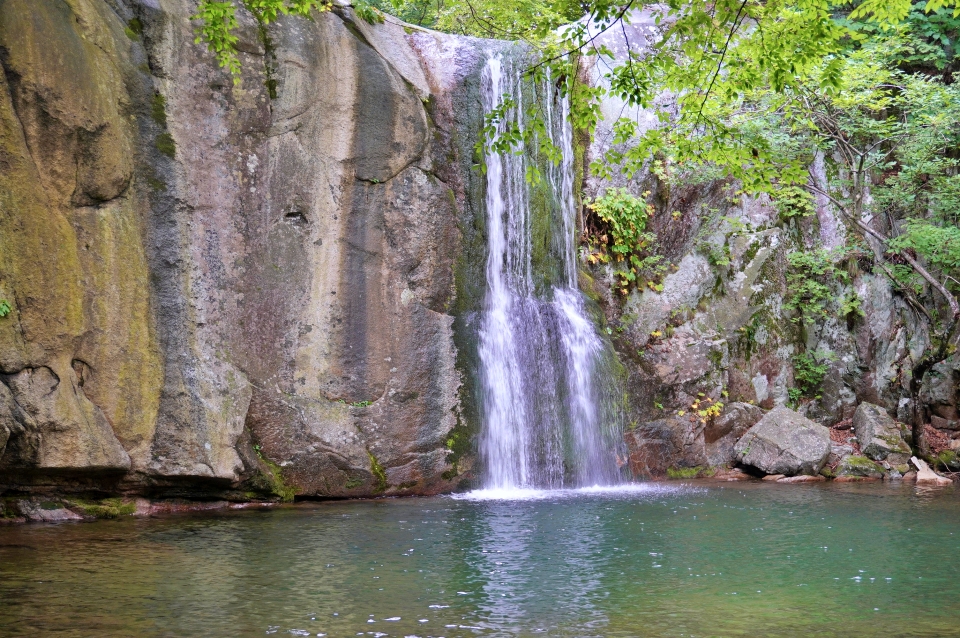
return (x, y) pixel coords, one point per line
(354, 482)
(378, 473)
(106, 508)
(690, 472)
(859, 466)
(947, 460)
(271, 482)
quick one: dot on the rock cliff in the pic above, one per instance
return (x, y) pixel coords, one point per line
(719, 327)
(223, 288)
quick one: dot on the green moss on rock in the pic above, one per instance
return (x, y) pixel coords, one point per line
(165, 144)
(269, 480)
(105, 508)
(689, 472)
(378, 473)
(158, 109)
(858, 466)
(948, 460)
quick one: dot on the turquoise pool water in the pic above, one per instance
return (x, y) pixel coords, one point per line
(702, 559)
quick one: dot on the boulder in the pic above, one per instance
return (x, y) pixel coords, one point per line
(723, 432)
(46, 511)
(880, 437)
(838, 451)
(859, 466)
(944, 424)
(783, 442)
(655, 446)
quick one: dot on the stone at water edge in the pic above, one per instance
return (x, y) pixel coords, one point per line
(46, 512)
(926, 475)
(722, 433)
(838, 452)
(859, 466)
(784, 442)
(731, 474)
(802, 478)
(880, 437)
(774, 477)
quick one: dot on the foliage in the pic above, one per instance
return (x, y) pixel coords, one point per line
(793, 201)
(218, 22)
(704, 409)
(530, 20)
(811, 278)
(938, 245)
(502, 133)
(5, 308)
(622, 239)
(809, 370)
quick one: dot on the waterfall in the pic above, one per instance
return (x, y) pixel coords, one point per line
(540, 355)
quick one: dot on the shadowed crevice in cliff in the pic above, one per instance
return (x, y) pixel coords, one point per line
(365, 324)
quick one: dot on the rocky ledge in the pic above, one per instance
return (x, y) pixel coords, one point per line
(744, 442)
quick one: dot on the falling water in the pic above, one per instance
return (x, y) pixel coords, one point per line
(540, 355)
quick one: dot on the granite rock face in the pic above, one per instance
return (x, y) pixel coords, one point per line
(784, 442)
(879, 436)
(720, 324)
(722, 433)
(687, 441)
(220, 287)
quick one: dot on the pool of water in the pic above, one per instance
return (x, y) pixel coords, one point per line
(694, 560)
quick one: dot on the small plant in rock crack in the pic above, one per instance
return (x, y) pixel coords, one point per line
(619, 237)
(703, 409)
(809, 370)
(5, 308)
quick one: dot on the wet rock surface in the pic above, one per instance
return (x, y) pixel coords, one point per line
(722, 433)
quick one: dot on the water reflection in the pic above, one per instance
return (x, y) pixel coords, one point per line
(744, 560)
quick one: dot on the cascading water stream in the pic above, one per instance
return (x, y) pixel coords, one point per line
(540, 355)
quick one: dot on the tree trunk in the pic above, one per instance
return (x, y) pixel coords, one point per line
(917, 413)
